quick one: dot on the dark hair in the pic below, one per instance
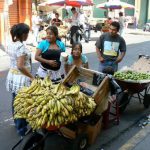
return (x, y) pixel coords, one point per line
(120, 13)
(73, 8)
(75, 44)
(115, 24)
(54, 30)
(57, 14)
(18, 30)
(108, 70)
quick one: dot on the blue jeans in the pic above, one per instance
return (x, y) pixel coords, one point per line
(21, 124)
(107, 63)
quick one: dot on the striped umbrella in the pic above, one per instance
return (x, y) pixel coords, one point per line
(115, 5)
(75, 3)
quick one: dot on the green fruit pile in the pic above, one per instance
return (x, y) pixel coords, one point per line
(47, 104)
(131, 75)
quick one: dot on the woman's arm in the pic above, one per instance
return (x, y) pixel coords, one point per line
(38, 57)
(22, 68)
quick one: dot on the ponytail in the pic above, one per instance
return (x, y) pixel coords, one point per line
(18, 30)
(13, 32)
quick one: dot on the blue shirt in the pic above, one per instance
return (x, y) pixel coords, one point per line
(83, 58)
(44, 45)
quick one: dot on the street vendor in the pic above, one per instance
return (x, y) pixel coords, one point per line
(110, 48)
(56, 21)
(48, 54)
(76, 58)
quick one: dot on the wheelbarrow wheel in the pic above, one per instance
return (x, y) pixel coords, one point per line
(33, 141)
(80, 142)
(123, 101)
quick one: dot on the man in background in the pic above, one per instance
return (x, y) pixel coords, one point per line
(121, 20)
(36, 22)
(110, 48)
(74, 22)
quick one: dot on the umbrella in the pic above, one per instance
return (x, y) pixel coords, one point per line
(48, 8)
(75, 3)
(115, 5)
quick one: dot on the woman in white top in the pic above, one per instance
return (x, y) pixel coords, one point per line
(20, 67)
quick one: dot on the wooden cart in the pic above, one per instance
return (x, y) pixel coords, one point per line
(86, 129)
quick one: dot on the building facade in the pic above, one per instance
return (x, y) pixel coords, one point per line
(17, 11)
(13, 12)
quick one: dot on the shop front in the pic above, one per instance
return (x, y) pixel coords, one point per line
(13, 12)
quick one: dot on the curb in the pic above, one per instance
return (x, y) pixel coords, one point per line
(139, 33)
(136, 139)
(124, 130)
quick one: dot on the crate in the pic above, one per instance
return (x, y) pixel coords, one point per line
(100, 92)
(92, 131)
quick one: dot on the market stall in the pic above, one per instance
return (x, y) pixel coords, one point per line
(72, 108)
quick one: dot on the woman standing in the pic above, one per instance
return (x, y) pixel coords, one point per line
(20, 67)
(48, 54)
(76, 58)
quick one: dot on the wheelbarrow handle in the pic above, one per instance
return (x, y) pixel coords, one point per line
(17, 143)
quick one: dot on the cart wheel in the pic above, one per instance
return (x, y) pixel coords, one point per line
(80, 142)
(146, 101)
(33, 141)
(123, 101)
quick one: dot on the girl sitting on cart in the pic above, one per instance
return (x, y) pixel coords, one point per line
(76, 58)
(48, 54)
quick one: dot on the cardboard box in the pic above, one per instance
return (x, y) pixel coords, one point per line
(91, 130)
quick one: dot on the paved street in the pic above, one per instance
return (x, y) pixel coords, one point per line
(136, 44)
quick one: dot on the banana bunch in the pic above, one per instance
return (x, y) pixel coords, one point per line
(46, 104)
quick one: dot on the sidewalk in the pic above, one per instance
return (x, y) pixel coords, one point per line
(137, 32)
(140, 141)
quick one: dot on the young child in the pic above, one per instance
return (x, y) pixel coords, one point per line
(76, 58)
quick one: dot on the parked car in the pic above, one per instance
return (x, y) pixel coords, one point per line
(146, 27)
